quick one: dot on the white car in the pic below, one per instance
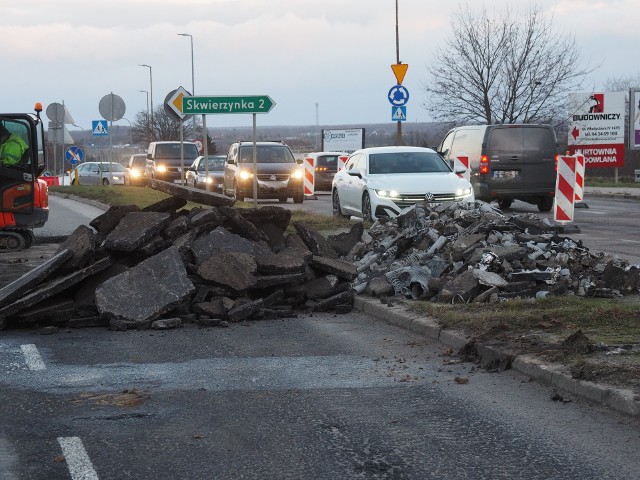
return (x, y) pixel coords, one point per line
(382, 181)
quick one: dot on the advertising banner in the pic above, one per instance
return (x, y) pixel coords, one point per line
(343, 140)
(596, 128)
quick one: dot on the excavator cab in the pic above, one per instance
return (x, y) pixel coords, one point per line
(24, 200)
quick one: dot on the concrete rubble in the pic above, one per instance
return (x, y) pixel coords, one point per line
(454, 252)
(162, 266)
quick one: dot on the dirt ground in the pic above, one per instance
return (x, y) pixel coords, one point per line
(610, 365)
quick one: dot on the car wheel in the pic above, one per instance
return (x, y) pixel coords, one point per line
(545, 204)
(367, 216)
(335, 204)
(283, 199)
(505, 203)
(298, 197)
(105, 182)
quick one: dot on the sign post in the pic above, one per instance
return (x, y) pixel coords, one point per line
(208, 105)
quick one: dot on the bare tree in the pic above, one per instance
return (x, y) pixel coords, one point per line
(164, 127)
(503, 68)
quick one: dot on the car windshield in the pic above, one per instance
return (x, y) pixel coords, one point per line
(329, 161)
(406, 162)
(172, 150)
(112, 167)
(139, 162)
(267, 154)
(215, 164)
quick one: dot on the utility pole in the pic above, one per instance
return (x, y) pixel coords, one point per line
(399, 134)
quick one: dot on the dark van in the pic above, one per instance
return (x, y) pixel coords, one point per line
(507, 162)
(164, 160)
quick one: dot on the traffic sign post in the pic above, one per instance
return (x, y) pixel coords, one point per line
(74, 155)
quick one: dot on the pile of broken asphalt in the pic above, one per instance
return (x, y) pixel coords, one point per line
(218, 265)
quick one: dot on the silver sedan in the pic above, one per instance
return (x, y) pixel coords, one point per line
(98, 173)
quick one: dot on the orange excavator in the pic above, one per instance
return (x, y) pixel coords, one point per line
(25, 198)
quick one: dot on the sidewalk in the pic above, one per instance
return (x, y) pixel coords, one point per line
(622, 401)
(618, 192)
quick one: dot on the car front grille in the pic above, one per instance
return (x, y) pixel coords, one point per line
(280, 177)
(409, 199)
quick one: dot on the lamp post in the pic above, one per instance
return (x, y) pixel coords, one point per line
(151, 89)
(145, 91)
(193, 86)
(130, 132)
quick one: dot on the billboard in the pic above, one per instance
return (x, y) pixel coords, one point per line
(596, 127)
(634, 119)
(343, 140)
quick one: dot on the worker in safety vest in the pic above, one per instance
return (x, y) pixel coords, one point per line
(12, 147)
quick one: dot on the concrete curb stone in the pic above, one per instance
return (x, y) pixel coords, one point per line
(620, 400)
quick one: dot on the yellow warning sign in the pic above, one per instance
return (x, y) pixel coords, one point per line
(399, 70)
(178, 101)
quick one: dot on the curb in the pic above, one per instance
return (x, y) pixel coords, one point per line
(621, 401)
(93, 203)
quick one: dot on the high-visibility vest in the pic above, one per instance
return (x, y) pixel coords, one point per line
(12, 150)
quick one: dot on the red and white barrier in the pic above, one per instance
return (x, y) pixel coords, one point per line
(342, 161)
(579, 188)
(565, 189)
(309, 176)
(463, 160)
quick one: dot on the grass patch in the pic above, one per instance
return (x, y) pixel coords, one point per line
(610, 182)
(142, 197)
(610, 321)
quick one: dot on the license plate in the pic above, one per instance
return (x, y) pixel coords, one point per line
(177, 181)
(506, 174)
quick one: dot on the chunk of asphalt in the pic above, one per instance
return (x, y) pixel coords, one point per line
(111, 218)
(342, 269)
(152, 288)
(344, 242)
(83, 243)
(315, 241)
(229, 269)
(287, 261)
(243, 226)
(136, 229)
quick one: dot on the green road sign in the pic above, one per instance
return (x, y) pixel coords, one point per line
(246, 104)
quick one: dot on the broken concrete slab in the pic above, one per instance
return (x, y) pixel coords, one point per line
(83, 243)
(16, 289)
(220, 239)
(245, 310)
(152, 288)
(136, 229)
(287, 261)
(267, 215)
(337, 267)
(195, 195)
(166, 205)
(229, 269)
(55, 286)
(109, 220)
(344, 242)
(242, 226)
(315, 242)
(166, 323)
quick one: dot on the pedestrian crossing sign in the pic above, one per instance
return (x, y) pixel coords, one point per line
(398, 114)
(100, 127)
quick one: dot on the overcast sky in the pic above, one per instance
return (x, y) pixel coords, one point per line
(335, 54)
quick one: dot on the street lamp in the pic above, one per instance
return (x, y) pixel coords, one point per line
(151, 84)
(193, 86)
(145, 91)
(130, 132)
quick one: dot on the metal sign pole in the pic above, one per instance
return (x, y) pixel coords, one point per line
(205, 150)
(255, 166)
(181, 153)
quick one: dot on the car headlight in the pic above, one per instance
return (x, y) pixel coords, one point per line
(134, 172)
(463, 192)
(297, 174)
(161, 168)
(387, 194)
(209, 180)
(245, 175)
(115, 177)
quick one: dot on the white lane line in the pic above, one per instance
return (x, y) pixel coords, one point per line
(629, 241)
(77, 459)
(32, 357)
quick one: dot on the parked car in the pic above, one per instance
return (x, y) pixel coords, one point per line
(135, 170)
(196, 175)
(279, 175)
(382, 181)
(508, 162)
(164, 161)
(326, 166)
(98, 173)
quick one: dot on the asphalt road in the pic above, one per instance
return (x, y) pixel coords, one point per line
(317, 397)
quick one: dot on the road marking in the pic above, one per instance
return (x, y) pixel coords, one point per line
(629, 241)
(77, 459)
(32, 357)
